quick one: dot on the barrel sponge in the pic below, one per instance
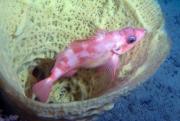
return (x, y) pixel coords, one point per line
(42, 28)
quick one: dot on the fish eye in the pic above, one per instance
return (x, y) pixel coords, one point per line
(117, 49)
(131, 39)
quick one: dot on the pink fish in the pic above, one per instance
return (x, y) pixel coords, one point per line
(100, 51)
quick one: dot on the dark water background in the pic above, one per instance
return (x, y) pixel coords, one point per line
(158, 99)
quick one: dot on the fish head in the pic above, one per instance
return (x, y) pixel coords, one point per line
(129, 38)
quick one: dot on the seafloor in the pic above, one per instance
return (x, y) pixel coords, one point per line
(158, 99)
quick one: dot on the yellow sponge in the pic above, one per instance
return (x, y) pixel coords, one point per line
(42, 28)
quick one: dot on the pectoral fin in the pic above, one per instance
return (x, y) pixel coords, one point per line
(110, 68)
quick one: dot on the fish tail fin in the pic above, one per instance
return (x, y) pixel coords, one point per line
(42, 89)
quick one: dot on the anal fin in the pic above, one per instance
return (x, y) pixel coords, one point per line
(70, 73)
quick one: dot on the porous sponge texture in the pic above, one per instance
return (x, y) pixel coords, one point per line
(42, 28)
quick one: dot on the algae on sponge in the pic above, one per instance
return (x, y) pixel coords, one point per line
(42, 28)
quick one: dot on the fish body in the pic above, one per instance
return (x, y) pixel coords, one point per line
(100, 51)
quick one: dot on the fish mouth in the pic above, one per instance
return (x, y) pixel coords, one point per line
(141, 32)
